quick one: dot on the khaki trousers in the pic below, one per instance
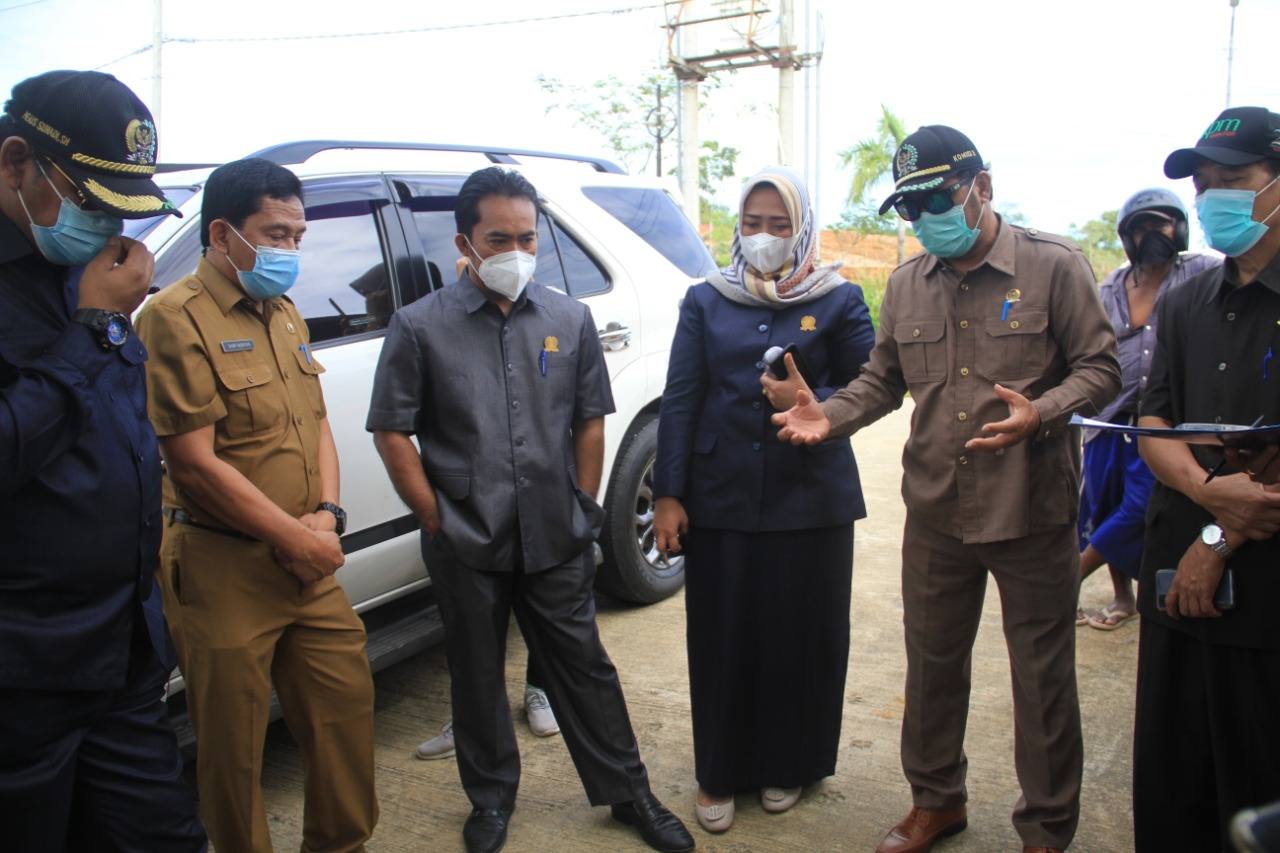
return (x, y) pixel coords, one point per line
(241, 623)
(943, 585)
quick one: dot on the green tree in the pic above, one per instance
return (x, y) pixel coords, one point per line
(1099, 239)
(872, 161)
(618, 110)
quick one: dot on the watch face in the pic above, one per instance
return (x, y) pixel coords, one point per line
(1211, 535)
(117, 332)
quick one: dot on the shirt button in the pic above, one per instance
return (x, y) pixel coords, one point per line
(1222, 365)
(964, 324)
(298, 420)
(1231, 315)
(1144, 379)
(1146, 352)
(519, 442)
(755, 445)
(759, 365)
(524, 481)
(915, 333)
(964, 460)
(248, 377)
(285, 374)
(510, 366)
(964, 371)
(1014, 324)
(964, 287)
(515, 404)
(763, 327)
(755, 404)
(1217, 419)
(964, 416)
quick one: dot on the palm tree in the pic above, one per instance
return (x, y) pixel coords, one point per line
(872, 161)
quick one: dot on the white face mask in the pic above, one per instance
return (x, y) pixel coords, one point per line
(766, 252)
(507, 273)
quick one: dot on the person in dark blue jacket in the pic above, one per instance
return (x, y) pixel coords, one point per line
(766, 527)
(88, 759)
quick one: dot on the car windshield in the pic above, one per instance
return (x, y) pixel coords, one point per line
(139, 228)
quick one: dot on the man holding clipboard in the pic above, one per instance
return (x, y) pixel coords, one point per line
(1206, 739)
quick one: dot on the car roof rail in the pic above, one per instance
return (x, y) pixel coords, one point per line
(293, 153)
(183, 167)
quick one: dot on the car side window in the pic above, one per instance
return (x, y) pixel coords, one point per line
(581, 272)
(179, 257)
(653, 217)
(344, 288)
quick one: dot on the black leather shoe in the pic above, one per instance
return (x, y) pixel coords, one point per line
(486, 830)
(659, 828)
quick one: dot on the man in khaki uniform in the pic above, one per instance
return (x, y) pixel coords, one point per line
(998, 333)
(251, 541)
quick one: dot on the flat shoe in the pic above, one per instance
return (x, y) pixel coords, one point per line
(778, 800)
(1110, 618)
(716, 817)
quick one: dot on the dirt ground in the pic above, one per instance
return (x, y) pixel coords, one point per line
(423, 806)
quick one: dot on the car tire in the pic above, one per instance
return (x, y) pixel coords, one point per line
(633, 570)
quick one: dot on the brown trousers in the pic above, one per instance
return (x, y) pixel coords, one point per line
(241, 623)
(943, 585)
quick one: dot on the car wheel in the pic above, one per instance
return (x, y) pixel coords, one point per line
(633, 568)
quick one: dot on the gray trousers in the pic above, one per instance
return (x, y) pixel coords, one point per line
(557, 615)
(943, 585)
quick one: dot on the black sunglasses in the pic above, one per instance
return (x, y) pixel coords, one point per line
(911, 207)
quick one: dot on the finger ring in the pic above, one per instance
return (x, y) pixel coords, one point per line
(1251, 473)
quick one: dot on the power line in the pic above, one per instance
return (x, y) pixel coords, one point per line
(408, 31)
(414, 30)
(21, 5)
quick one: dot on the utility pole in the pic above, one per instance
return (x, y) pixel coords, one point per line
(689, 147)
(1231, 48)
(157, 40)
(786, 84)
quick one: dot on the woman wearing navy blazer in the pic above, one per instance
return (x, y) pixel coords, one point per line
(766, 526)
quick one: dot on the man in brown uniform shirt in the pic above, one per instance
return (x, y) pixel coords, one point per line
(251, 542)
(999, 335)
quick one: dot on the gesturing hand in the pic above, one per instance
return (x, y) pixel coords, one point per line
(803, 423)
(1023, 421)
(782, 392)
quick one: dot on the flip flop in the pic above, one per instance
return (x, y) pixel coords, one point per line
(1103, 619)
(1082, 618)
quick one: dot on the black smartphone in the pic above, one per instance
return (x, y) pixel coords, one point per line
(1224, 597)
(777, 366)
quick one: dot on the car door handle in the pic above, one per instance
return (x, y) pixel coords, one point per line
(615, 336)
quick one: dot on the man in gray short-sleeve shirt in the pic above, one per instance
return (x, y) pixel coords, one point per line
(503, 382)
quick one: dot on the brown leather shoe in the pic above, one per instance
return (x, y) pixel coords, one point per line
(918, 831)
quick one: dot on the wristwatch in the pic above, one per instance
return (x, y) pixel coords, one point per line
(1213, 537)
(339, 514)
(112, 327)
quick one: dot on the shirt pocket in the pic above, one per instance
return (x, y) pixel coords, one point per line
(922, 350)
(309, 368)
(253, 400)
(1014, 348)
(455, 486)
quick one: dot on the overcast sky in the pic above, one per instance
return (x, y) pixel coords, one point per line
(1074, 104)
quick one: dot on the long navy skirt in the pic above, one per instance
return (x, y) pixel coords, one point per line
(768, 638)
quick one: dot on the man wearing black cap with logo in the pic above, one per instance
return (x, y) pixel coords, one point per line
(998, 334)
(88, 759)
(1207, 732)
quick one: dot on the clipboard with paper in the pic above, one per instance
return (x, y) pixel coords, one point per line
(1213, 435)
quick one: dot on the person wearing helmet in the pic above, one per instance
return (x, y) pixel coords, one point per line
(1117, 484)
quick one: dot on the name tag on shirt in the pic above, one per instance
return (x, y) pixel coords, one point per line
(237, 346)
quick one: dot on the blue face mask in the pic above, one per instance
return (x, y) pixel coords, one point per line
(78, 235)
(274, 270)
(947, 235)
(1227, 219)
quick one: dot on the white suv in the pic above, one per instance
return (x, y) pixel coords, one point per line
(380, 234)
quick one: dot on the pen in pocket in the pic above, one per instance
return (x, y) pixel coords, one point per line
(542, 362)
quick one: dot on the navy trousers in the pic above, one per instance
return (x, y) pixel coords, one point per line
(96, 770)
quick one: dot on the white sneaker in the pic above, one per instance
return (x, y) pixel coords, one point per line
(440, 746)
(537, 710)
(716, 817)
(778, 799)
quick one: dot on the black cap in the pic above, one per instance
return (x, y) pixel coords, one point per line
(99, 133)
(928, 157)
(1237, 137)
